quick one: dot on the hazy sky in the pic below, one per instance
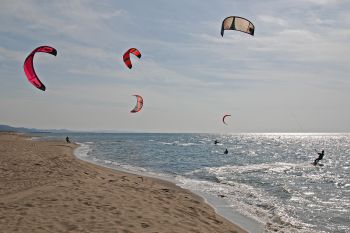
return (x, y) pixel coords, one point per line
(292, 76)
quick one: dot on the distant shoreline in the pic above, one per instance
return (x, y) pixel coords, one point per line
(8, 128)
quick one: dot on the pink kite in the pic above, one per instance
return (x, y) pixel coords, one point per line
(139, 104)
(29, 67)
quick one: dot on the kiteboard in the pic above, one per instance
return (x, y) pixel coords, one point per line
(318, 164)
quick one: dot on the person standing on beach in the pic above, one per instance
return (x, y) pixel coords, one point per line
(320, 157)
(67, 139)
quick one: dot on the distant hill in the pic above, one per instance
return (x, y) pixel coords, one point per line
(8, 128)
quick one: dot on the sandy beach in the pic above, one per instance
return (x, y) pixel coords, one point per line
(44, 188)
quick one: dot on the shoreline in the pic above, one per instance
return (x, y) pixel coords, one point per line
(220, 206)
(44, 187)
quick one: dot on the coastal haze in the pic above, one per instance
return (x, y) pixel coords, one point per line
(292, 76)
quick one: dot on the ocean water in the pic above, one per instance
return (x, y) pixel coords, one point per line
(266, 177)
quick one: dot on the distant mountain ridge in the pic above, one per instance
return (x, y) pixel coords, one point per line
(8, 128)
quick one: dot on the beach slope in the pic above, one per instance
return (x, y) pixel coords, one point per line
(44, 188)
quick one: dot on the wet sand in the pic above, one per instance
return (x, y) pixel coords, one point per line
(44, 188)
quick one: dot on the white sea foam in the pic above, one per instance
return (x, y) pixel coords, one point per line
(116, 165)
(267, 167)
(187, 144)
(167, 143)
(83, 150)
(177, 143)
(250, 202)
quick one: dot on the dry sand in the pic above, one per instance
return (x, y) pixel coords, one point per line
(44, 188)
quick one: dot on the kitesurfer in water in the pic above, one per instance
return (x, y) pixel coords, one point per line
(67, 139)
(216, 142)
(226, 152)
(320, 157)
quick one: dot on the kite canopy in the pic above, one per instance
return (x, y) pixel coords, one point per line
(126, 56)
(29, 67)
(223, 119)
(237, 23)
(139, 104)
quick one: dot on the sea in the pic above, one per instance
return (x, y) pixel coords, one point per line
(267, 179)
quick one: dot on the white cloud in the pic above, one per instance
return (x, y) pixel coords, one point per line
(72, 18)
(88, 52)
(273, 20)
(8, 54)
(112, 14)
(324, 2)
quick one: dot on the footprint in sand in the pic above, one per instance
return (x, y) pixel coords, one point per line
(145, 225)
(124, 178)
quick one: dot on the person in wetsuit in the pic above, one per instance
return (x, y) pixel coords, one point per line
(320, 157)
(226, 152)
(67, 139)
(216, 142)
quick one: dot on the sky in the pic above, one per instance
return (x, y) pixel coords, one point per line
(292, 76)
